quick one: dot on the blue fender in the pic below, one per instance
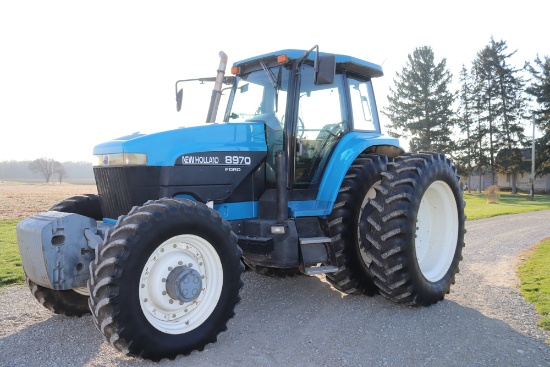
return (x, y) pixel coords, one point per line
(348, 149)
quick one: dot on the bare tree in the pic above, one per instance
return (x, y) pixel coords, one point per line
(60, 171)
(44, 167)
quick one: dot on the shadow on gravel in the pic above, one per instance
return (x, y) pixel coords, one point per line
(58, 341)
(302, 321)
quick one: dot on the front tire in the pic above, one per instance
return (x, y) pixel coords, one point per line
(69, 302)
(166, 279)
(416, 229)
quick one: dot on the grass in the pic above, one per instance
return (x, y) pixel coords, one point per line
(534, 273)
(11, 270)
(477, 207)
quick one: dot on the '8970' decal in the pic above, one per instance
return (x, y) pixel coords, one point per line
(238, 160)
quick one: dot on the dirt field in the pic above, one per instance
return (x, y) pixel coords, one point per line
(20, 200)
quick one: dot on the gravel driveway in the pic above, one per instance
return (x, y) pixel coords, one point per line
(302, 321)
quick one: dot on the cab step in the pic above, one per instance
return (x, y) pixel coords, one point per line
(311, 240)
(324, 269)
(315, 251)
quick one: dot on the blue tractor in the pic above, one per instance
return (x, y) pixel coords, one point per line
(296, 179)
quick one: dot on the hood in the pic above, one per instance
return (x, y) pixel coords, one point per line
(163, 148)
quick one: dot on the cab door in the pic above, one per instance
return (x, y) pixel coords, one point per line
(321, 121)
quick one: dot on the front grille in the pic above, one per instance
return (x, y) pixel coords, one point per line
(113, 190)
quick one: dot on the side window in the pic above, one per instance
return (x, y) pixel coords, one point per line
(321, 123)
(362, 105)
(319, 109)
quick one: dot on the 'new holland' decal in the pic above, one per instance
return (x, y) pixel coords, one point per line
(186, 159)
(241, 159)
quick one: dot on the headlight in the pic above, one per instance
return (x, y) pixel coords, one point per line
(120, 159)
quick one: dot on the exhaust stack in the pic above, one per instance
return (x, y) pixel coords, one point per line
(217, 92)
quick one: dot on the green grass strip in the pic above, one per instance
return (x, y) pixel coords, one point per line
(477, 207)
(11, 269)
(534, 273)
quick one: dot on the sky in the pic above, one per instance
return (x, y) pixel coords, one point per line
(74, 74)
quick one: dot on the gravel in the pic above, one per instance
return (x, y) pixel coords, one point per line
(303, 321)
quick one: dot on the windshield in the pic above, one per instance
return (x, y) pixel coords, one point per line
(261, 96)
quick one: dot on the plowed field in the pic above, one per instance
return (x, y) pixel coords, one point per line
(20, 200)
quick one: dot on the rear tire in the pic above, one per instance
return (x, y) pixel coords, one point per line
(149, 260)
(353, 276)
(416, 229)
(69, 302)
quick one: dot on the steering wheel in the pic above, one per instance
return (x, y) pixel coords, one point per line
(300, 129)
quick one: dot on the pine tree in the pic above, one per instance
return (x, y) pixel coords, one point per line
(466, 147)
(500, 90)
(420, 104)
(540, 90)
(480, 134)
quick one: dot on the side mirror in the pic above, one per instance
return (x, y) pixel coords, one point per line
(326, 69)
(179, 97)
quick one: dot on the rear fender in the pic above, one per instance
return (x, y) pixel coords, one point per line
(347, 150)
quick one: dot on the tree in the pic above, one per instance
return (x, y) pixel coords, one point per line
(420, 104)
(60, 171)
(499, 92)
(467, 146)
(44, 167)
(480, 131)
(540, 90)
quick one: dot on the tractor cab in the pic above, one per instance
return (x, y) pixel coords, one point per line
(308, 101)
(306, 104)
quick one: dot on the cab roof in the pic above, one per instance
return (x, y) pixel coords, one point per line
(345, 62)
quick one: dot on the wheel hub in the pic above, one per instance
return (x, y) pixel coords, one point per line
(184, 284)
(180, 284)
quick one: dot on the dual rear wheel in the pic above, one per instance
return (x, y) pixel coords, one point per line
(399, 226)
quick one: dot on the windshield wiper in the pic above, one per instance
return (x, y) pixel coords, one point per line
(270, 74)
(275, 82)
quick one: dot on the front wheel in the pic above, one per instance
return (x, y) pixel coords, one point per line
(166, 279)
(415, 230)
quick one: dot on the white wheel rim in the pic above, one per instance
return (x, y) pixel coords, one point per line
(436, 231)
(173, 316)
(370, 195)
(82, 290)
